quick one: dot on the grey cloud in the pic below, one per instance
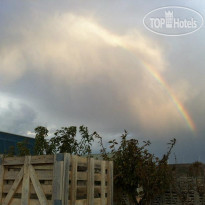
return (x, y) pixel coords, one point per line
(17, 118)
(79, 73)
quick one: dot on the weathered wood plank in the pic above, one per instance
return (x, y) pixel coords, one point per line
(84, 202)
(37, 187)
(1, 177)
(43, 167)
(82, 160)
(36, 202)
(110, 183)
(47, 189)
(26, 182)
(13, 187)
(36, 166)
(13, 161)
(74, 179)
(57, 178)
(55, 173)
(65, 189)
(102, 182)
(90, 182)
(41, 174)
(83, 189)
(42, 159)
(16, 201)
(84, 175)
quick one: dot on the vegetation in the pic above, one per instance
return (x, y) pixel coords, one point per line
(23, 148)
(11, 151)
(137, 172)
(41, 145)
(196, 170)
(64, 140)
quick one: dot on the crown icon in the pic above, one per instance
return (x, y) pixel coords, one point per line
(169, 16)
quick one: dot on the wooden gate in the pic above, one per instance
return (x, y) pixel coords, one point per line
(55, 180)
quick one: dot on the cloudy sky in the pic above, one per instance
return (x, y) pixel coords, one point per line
(93, 62)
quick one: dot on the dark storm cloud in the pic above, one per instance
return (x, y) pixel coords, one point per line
(17, 118)
(75, 64)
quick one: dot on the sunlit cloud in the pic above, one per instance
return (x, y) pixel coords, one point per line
(75, 51)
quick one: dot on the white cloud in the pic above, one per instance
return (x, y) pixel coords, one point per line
(12, 64)
(92, 72)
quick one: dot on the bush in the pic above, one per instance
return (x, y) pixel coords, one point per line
(139, 173)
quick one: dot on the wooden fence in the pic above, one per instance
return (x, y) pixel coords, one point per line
(60, 179)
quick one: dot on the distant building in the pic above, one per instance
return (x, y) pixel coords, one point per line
(8, 140)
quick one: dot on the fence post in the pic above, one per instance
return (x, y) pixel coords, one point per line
(1, 177)
(74, 179)
(66, 169)
(110, 183)
(26, 182)
(102, 183)
(58, 179)
(90, 182)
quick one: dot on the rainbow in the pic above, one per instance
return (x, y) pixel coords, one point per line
(180, 107)
(117, 41)
(182, 110)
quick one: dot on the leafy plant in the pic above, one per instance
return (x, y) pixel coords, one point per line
(137, 172)
(85, 144)
(41, 145)
(11, 151)
(23, 148)
(136, 169)
(64, 140)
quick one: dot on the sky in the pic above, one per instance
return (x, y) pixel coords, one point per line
(94, 63)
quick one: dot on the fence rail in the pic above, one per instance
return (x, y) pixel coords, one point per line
(61, 179)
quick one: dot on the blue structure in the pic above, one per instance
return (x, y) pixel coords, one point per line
(8, 140)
